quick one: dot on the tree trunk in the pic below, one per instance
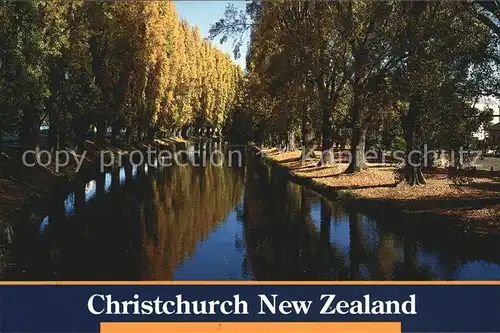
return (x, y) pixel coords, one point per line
(411, 126)
(431, 159)
(1, 140)
(29, 131)
(414, 175)
(1, 151)
(358, 161)
(358, 139)
(80, 127)
(53, 137)
(101, 133)
(307, 147)
(115, 131)
(290, 141)
(56, 77)
(81, 137)
(62, 138)
(139, 132)
(152, 133)
(128, 135)
(413, 161)
(326, 137)
(53, 140)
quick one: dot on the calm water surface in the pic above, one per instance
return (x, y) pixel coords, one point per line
(221, 223)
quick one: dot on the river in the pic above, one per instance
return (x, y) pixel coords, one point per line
(239, 222)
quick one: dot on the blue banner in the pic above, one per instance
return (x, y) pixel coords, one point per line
(69, 307)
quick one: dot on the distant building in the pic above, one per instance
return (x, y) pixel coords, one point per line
(494, 135)
(485, 136)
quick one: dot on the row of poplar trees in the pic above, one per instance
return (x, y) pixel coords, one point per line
(357, 74)
(132, 66)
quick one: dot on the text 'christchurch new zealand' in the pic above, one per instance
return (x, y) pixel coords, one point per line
(324, 304)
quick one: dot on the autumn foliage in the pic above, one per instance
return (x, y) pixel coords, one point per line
(132, 66)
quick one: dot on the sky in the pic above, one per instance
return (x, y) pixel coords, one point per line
(204, 14)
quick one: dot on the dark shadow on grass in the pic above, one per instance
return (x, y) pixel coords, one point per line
(444, 203)
(360, 187)
(289, 160)
(308, 167)
(315, 168)
(491, 186)
(378, 166)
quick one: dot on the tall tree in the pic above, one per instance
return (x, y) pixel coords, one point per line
(438, 71)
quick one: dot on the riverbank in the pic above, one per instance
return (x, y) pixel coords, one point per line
(473, 207)
(20, 184)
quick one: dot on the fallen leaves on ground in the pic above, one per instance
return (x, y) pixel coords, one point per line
(479, 200)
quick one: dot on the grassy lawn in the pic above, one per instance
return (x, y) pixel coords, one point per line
(478, 201)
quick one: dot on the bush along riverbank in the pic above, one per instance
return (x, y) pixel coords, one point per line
(23, 187)
(440, 205)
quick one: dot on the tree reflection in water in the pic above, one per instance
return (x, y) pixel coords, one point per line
(294, 234)
(187, 204)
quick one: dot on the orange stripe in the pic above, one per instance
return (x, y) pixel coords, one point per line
(243, 283)
(365, 327)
